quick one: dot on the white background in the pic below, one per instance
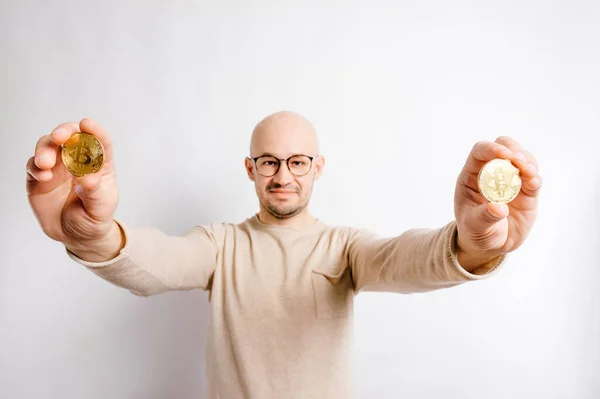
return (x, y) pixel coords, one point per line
(399, 92)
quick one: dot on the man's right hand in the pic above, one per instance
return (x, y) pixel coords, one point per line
(77, 211)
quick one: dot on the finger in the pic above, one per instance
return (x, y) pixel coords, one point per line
(515, 146)
(47, 147)
(488, 214)
(45, 153)
(532, 186)
(486, 151)
(523, 159)
(34, 173)
(483, 152)
(526, 168)
(90, 126)
(62, 132)
(89, 189)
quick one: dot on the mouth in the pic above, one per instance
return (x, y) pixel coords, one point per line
(282, 193)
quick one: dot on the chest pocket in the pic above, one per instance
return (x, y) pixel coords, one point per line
(333, 294)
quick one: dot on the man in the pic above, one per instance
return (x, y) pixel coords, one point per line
(282, 282)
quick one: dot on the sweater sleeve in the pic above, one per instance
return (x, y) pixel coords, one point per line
(418, 260)
(152, 262)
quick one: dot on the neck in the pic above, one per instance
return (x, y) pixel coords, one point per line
(299, 221)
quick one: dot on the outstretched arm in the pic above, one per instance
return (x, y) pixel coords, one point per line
(418, 260)
(152, 262)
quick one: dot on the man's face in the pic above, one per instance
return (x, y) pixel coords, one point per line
(284, 194)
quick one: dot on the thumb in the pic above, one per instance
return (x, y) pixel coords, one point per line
(490, 213)
(89, 189)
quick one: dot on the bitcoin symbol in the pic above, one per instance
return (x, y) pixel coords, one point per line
(499, 181)
(82, 154)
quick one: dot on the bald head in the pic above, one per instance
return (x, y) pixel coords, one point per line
(283, 134)
(284, 192)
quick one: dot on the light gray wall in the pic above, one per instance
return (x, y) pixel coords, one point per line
(399, 92)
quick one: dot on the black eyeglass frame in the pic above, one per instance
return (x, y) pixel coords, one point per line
(280, 160)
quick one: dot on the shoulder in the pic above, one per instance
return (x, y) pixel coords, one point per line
(218, 232)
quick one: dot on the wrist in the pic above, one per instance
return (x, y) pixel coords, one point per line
(102, 249)
(470, 259)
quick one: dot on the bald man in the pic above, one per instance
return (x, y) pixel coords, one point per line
(284, 197)
(281, 282)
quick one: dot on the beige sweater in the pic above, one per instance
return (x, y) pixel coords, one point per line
(281, 298)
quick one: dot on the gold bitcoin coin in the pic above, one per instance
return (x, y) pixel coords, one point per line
(82, 154)
(499, 181)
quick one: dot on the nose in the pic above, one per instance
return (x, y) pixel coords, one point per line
(284, 175)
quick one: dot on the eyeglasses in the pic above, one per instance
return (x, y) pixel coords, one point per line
(267, 166)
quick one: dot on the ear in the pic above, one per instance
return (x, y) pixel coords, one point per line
(319, 165)
(249, 168)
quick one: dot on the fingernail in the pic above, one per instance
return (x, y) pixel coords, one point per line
(521, 156)
(531, 169)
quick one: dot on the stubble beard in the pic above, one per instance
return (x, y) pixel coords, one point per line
(285, 211)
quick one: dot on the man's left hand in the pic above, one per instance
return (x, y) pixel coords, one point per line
(487, 230)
